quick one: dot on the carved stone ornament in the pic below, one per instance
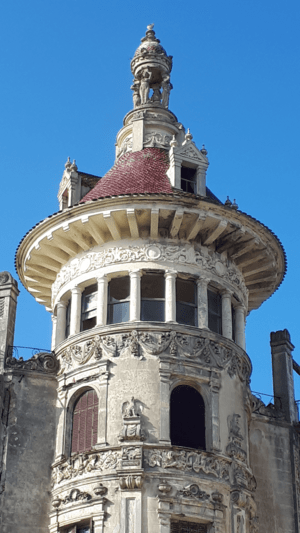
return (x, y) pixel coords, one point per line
(198, 348)
(74, 496)
(130, 482)
(157, 140)
(164, 487)
(41, 362)
(210, 263)
(4, 277)
(218, 468)
(234, 448)
(83, 464)
(131, 457)
(193, 491)
(99, 490)
(131, 422)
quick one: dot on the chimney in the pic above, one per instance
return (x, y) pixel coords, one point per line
(282, 366)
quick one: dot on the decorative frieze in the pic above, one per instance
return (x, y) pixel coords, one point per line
(83, 464)
(210, 263)
(201, 349)
(131, 457)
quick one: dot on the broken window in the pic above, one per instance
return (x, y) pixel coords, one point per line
(85, 422)
(187, 418)
(189, 179)
(153, 297)
(89, 308)
(214, 311)
(118, 300)
(186, 302)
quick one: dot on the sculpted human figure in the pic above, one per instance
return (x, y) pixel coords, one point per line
(145, 86)
(166, 89)
(130, 408)
(136, 94)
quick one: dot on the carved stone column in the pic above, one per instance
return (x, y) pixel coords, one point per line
(75, 315)
(135, 295)
(53, 336)
(226, 314)
(201, 181)
(164, 374)
(102, 301)
(61, 322)
(102, 413)
(170, 296)
(240, 326)
(202, 303)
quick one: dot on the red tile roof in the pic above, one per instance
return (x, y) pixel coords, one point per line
(134, 173)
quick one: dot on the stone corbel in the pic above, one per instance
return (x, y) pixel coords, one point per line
(131, 481)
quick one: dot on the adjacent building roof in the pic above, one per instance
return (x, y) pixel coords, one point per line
(139, 172)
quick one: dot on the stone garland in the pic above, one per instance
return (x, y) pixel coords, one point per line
(40, 362)
(208, 263)
(201, 349)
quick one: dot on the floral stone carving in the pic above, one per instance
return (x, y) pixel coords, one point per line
(83, 464)
(193, 491)
(41, 362)
(199, 348)
(209, 263)
(131, 457)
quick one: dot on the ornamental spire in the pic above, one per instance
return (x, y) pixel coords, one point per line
(151, 68)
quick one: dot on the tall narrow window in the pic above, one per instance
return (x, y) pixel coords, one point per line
(89, 308)
(214, 311)
(118, 300)
(189, 179)
(153, 297)
(186, 307)
(68, 316)
(85, 422)
(187, 418)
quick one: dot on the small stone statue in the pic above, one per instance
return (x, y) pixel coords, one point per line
(145, 86)
(136, 93)
(156, 96)
(166, 89)
(130, 409)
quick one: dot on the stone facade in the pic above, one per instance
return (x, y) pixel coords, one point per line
(141, 418)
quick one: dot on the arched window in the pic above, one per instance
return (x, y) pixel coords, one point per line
(85, 422)
(187, 418)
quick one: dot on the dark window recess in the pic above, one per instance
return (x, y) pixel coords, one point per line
(153, 297)
(186, 307)
(118, 300)
(79, 528)
(89, 308)
(187, 418)
(233, 322)
(85, 422)
(189, 179)
(68, 316)
(214, 311)
(180, 526)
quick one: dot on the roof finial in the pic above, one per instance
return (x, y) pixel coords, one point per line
(150, 27)
(188, 135)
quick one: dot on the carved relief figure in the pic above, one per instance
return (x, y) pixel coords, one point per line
(156, 96)
(145, 86)
(131, 422)
(136, 93)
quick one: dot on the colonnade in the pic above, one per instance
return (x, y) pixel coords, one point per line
(59, 322)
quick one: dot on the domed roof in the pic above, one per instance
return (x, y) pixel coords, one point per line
(134, 173)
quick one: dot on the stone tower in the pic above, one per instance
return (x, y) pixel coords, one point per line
(149, 279)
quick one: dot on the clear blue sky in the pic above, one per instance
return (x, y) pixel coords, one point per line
(65, 88)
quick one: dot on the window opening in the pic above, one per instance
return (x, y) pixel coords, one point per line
(65, 199)
(118, 300)
(214, 311)
(153, 297)
(89, 308)
(68, 316)
(233, 322)
(186, 307)
(187, 418)
(189, 179)
(180, 526)
(85, 422)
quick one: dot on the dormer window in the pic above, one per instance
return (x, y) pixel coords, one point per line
(189, 179)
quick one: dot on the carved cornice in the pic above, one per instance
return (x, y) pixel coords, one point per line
(45, 362)
(199, 348)
(211, 264)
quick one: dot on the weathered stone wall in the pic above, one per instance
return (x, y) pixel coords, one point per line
(270, 459)
(28, 445)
